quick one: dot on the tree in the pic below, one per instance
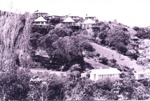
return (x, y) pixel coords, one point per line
(119, 39)
(34, 40)
(15, 34)
(143, 33)
(68, 50)
(55, 21)
(61, 31)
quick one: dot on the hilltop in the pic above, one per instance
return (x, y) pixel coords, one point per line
(111, 40)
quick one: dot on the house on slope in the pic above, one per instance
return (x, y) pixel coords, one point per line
(56, 16)
(100, 74)
(76, 18)
(142, 74)
(68, 21)
(40, 21)
(90, 17)
(40, 13)
(88, 23)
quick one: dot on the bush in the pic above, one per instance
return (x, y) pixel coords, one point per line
(55, 91)
(122, 48)
(132, 55)
(75, 67)
(14, 85)
(41, 29)
(103, 60)
(112, 62)
(87, 46)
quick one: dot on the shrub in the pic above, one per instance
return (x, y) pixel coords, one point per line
(87, 46)
(122, 48)
(103, 60)
(55, 91)
(14, 85)
(75, 67)
(111, 62)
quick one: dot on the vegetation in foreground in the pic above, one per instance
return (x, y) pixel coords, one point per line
(64, 47)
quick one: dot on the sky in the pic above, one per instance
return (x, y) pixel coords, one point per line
(128, 12)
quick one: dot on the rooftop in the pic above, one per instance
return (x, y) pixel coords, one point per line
(106, 71)
(37, 11)
(68, 19)
(89, 21)
(41, 19)
(144, 72)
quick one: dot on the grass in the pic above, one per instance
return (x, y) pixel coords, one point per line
(121, 59)
(94, 64)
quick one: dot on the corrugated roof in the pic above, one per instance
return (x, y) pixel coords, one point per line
(68, 19)
(89, 21)
(41, 19)
(106, 71)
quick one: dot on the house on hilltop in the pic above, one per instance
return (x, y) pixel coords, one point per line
(40, 13)
(88, 23)
(68, 21)
(99, 74)
(142, 74)
(90, 17)
(40, 21)
(76, 18)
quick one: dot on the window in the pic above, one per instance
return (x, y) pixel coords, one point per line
(141, 75)
(99, 76)
(94, 76)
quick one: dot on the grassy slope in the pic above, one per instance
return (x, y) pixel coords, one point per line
(95, 64)
(121, 59)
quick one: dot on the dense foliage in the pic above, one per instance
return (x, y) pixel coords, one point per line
(63, 46)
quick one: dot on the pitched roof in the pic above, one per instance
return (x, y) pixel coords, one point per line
(89, 21)
(37, 11)
(68, 19)
(134, 37)
(147, 71)
(41, 19)
(106, 71)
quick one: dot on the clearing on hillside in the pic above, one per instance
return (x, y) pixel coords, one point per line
(121, 59)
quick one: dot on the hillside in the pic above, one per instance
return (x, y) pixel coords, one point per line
(112, 54)
(95, 64)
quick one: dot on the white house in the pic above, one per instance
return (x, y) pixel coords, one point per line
(98, 74)
(40, 21)
(88, 23)
(139, 75)
(90, 17)
(69, 21)
(40, 13)
(142, 74)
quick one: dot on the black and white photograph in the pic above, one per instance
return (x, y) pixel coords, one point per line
(74, 50)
